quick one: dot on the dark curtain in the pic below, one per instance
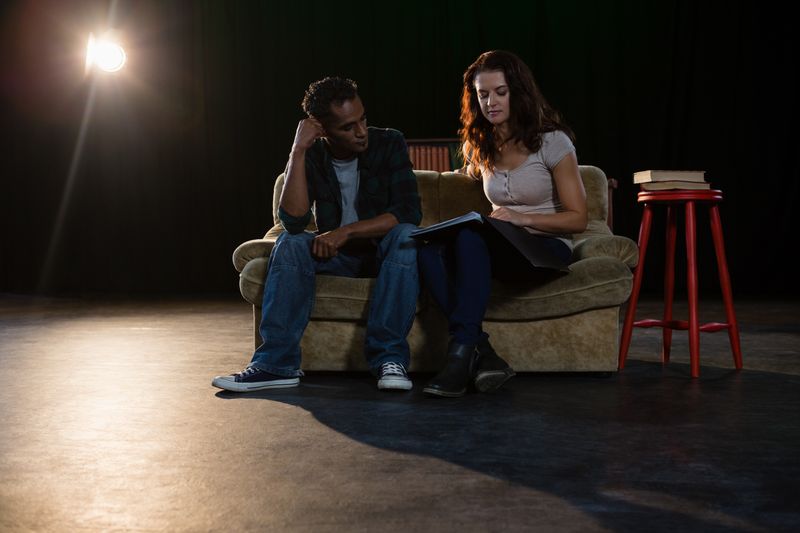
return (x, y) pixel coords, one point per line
(181, 149)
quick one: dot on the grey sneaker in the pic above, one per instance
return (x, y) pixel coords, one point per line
(251, 379)
(392, 376)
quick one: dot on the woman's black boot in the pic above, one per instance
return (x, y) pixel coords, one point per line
(458, 372)
(492, 370)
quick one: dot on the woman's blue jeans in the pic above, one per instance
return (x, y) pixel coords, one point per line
(458, 275)
(289, 292)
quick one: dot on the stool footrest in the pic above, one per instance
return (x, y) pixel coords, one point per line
(679, 324)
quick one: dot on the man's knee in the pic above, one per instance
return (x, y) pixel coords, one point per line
(400, 234)
(399, 245)
(292, 247)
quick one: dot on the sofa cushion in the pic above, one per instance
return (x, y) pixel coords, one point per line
(460, 194)
(428, 187)
(617, 246)
(594, 228)
(592, 283)
(337, 297)
(340, 298)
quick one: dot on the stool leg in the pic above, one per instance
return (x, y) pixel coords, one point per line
(669, 282)
(627, 329)
(725, 284)
(691, 279)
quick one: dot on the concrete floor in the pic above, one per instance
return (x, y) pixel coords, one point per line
(109, 423)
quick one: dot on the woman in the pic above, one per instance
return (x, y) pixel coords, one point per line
(522, 151)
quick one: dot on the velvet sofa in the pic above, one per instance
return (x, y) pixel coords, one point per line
(568, 323)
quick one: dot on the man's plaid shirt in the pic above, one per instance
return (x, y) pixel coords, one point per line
(386, 184)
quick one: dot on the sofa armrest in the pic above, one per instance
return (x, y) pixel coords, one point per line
(247, 251)
(616, 246)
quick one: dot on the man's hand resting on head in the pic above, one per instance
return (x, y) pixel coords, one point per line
(308, 131)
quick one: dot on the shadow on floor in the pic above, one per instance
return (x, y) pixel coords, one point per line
(647, 446)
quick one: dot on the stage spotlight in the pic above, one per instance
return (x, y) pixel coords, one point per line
(106, 54)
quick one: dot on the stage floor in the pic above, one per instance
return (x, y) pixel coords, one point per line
(109, 422)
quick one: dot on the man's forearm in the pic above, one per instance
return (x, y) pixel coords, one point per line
(294, 198)
(371, 227)
(328, 244)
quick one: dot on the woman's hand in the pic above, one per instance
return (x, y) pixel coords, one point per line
(509, 215)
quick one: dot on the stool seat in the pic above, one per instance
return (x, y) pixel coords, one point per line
(680, 195)
(674, 199)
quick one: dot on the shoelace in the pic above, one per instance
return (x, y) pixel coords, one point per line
(393, 369)
(246, 372)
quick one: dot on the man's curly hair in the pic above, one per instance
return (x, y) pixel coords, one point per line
(331, 90)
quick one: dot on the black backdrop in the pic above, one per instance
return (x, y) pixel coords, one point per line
(181, 149)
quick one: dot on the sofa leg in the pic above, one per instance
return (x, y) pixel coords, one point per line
(256, 324)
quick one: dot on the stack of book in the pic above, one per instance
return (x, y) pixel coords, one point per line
(660, 180)
(430, 157)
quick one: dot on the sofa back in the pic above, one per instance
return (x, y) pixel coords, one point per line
(446, 195)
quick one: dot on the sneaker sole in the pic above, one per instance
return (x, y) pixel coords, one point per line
(394, 384)
(444, 394)
(492, 380)
(234, 386)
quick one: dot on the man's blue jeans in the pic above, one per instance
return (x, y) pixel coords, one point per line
(289, 296)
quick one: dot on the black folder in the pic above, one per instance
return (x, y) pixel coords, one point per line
(506, 241)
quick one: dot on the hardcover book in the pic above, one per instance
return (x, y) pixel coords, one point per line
(667, 185)
(506, 241)
(646, 176)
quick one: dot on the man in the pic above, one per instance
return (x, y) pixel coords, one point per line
(365, 202)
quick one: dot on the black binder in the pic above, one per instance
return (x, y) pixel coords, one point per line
(506, 241)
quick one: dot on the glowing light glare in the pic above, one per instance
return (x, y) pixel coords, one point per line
(107, 55)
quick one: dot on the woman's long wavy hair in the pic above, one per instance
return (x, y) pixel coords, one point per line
(529, 115)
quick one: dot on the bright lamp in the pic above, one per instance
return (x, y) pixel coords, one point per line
(107, 55)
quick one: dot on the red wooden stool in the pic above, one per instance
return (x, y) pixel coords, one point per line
(674, 199)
